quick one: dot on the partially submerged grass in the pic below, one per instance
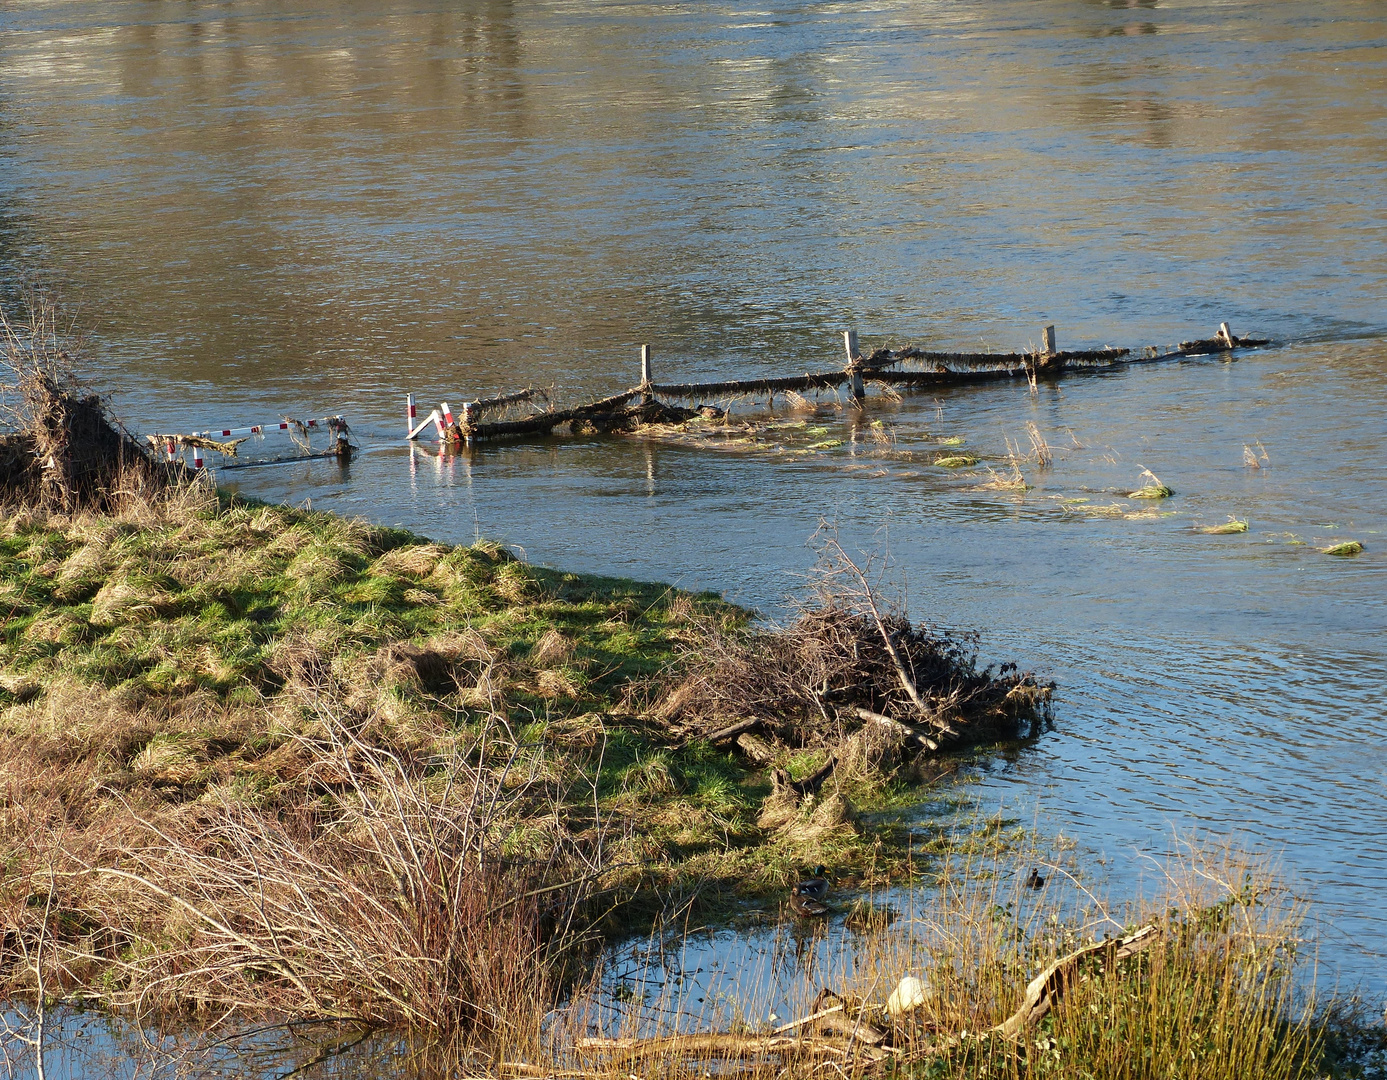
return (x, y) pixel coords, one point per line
(1348, 547)
(1014, 481)
(1228, 528)
(212, 713)
(955, 461)
(1153, 489)
(1220, 989)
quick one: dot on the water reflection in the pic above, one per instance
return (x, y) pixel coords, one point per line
(453, 197)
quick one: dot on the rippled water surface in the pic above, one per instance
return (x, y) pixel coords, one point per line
(319, 207)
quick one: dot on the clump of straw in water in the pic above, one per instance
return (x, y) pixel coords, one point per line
(1232, 525)
(1348, 547)
(1153, 490)
(1001, 482)
(1039, 447)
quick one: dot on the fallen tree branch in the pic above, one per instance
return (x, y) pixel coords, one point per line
(1047, 987)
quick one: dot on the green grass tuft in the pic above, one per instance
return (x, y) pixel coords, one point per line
(1228, 528)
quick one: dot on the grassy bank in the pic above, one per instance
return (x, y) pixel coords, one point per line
(274, 762)
(199, 685)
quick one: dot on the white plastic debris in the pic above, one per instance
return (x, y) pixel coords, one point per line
(909, 995)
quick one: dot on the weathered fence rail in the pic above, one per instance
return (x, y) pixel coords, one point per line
(885, 366)
(226, 442)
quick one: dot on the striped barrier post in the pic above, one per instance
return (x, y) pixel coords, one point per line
(172, 448)
(409, 427)
(197, 459)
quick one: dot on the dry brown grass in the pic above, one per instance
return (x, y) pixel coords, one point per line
(389, 897)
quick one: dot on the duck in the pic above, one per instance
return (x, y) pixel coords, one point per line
(805, 905)
(1035, 881)
(815, 887)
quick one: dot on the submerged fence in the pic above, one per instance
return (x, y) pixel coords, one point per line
(906, 367)
(283, 440)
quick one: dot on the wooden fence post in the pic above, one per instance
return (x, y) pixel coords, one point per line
(646, 377)
(1225, 334)
(1049, 347)
(854, 364)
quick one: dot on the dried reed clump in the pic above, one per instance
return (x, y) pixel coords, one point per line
(391, 898)
(63, 452)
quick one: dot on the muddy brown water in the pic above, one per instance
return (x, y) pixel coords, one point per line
(311, 208)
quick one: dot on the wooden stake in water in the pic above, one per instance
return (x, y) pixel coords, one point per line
(854, 366)
(1049, 348)
(1225, 334)
(646, 377)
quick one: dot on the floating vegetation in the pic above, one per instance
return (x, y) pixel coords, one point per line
(956, 461)
(1155, 489)
(1151, 491)
(1083, 508)
(1001, 482)
(1114, 511)
(1348, 547)
(952, 440)
(1232, 525)
(1044, 457)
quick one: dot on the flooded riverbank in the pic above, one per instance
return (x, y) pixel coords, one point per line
(319, 208)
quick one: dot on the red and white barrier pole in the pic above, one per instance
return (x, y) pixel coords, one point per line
(409, 427)
(172, 448)
(197, 459)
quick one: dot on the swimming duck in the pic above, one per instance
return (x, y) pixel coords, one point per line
(816, 887)
(1035, 881)
(801, 904)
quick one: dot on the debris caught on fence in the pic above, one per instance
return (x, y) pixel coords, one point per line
(227, 442)
(905, 367)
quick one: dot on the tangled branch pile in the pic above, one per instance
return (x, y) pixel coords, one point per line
(828, 669)
(62, 450)
(843, 665)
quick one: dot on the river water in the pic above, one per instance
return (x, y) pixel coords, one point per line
(318, 207)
